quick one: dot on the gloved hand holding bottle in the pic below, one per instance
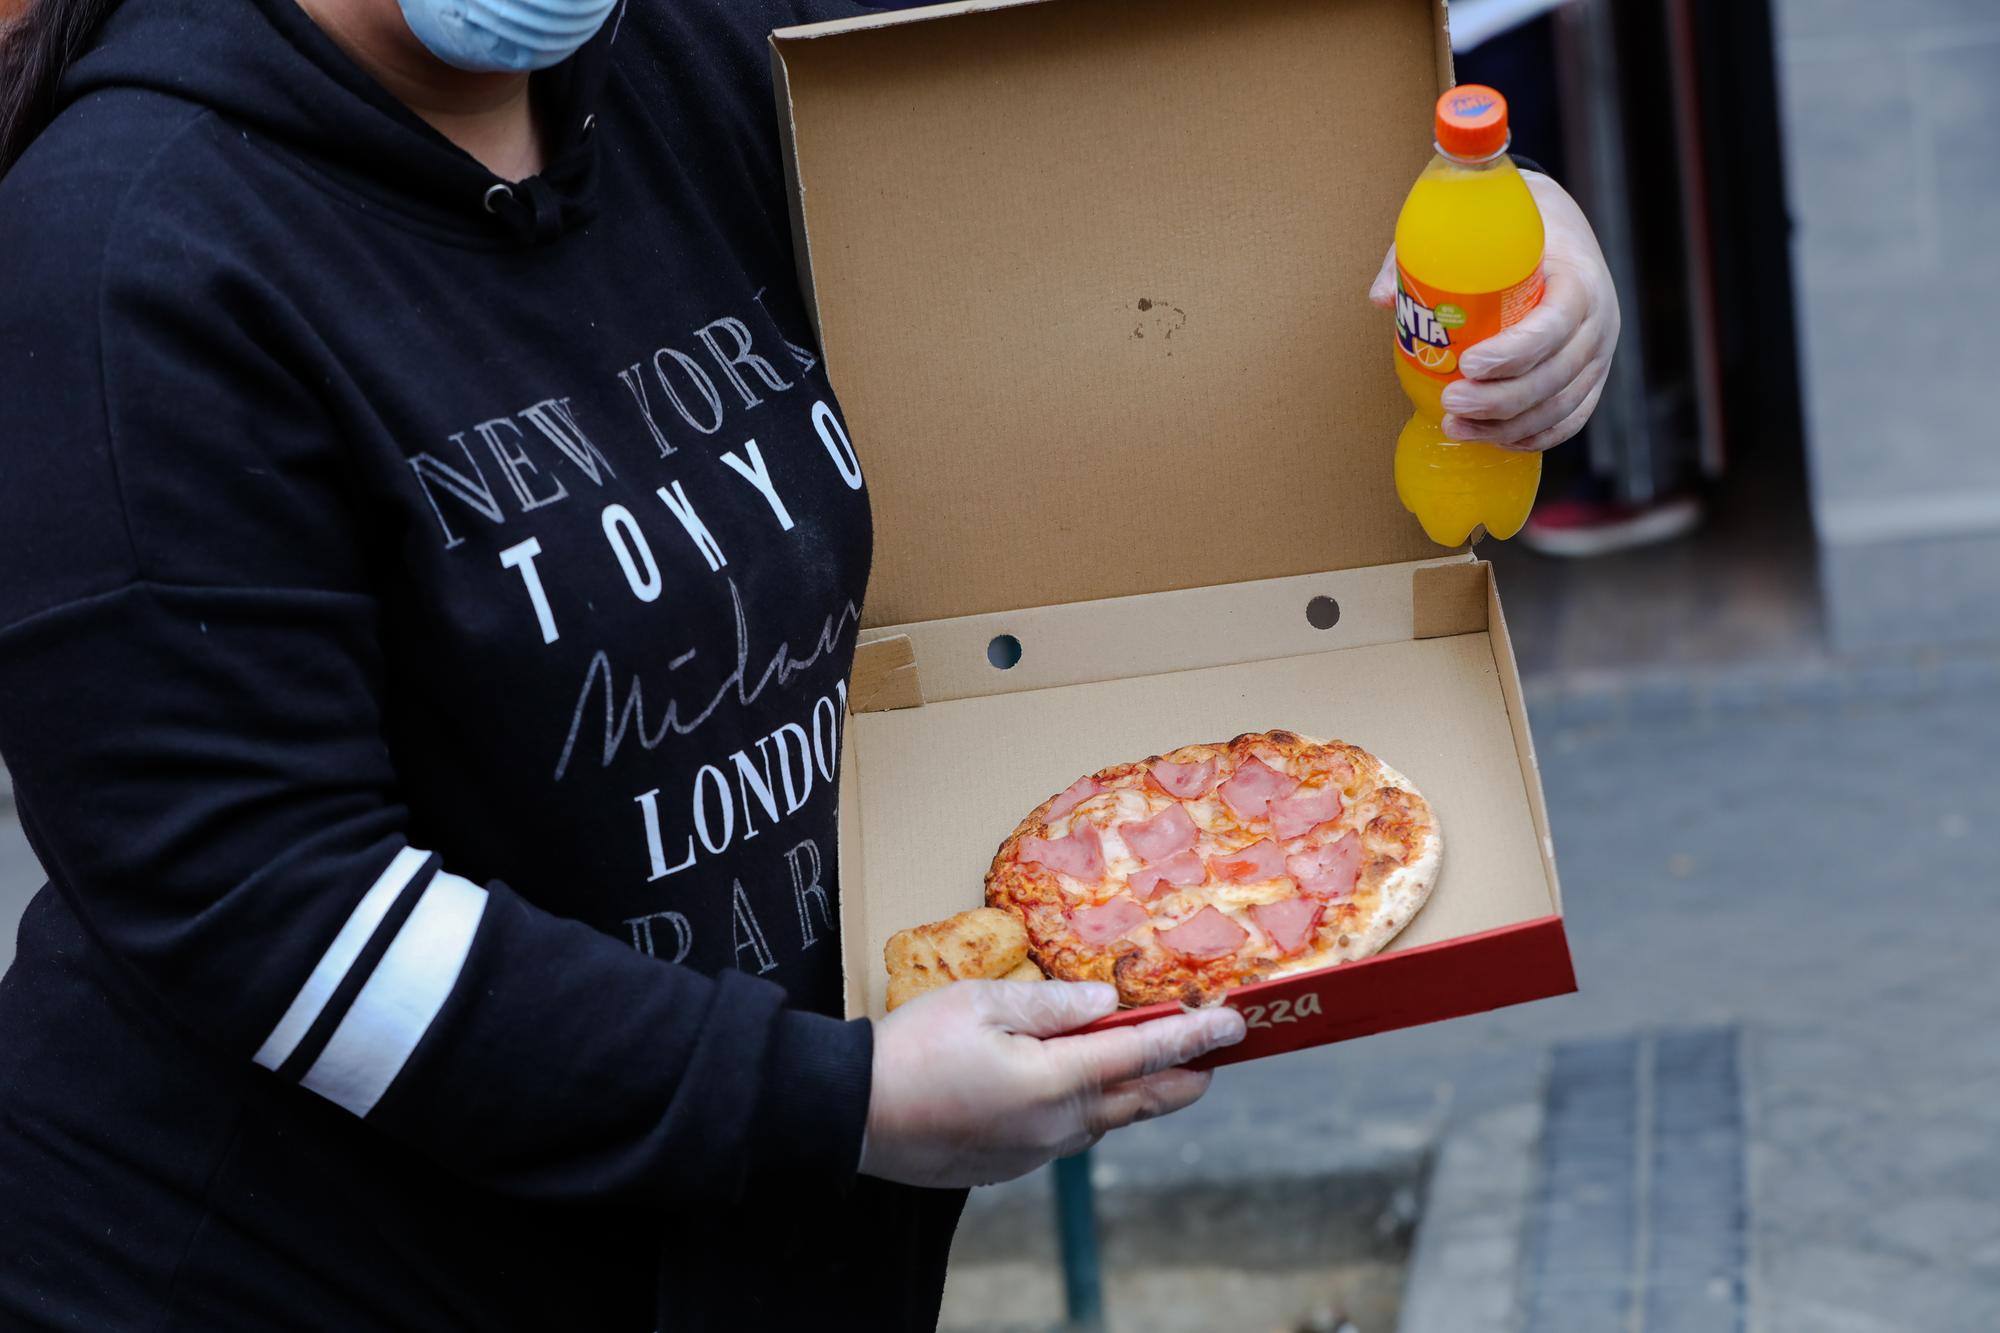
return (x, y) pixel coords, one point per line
(1506, 323)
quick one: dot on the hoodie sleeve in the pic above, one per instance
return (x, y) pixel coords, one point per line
(191, 706)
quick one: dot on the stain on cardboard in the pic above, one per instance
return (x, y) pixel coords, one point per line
(1163, 319)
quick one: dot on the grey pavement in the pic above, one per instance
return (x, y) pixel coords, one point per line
(20, 874)
(1813, 859)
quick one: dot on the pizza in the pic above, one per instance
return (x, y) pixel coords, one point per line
(1186, 874)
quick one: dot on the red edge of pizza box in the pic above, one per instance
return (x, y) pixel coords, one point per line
(1089, 277)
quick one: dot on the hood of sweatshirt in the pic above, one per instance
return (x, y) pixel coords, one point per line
(269, 68)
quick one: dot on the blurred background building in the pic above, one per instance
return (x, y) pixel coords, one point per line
(1895, 184)
(1798, 199)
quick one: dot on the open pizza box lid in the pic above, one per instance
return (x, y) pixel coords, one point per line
(1089, 277)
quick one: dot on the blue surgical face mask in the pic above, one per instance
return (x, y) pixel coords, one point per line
(490, 35)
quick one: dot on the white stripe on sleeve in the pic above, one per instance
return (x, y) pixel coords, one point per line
(340, 955)
(397, 1003)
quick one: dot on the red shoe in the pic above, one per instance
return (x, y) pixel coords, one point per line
(1579, 529)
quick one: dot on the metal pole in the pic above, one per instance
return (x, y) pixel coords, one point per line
(1076, 1234)
(1697, 245)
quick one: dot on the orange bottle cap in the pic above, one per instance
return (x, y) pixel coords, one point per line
(1472, 122)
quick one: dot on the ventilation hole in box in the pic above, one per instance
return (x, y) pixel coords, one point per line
(1323, 613)
(1004, 651)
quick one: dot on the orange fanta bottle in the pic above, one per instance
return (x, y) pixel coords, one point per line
(1469, 263)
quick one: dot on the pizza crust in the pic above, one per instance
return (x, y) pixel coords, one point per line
(1404, 894)
(1404, 891)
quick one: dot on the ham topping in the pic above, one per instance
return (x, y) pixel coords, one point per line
(1177, 871)
(1289, 922)
(1166, 834)
(1105, 923)
(1261, 860)
(1080, 855)
(1304, 811)
(1329, 871)
(1206, 934)
(1186, 781)
(1074, 795)
(1250, 792)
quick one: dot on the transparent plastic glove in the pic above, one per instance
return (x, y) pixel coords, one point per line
(973, 1083)
(1533, 385)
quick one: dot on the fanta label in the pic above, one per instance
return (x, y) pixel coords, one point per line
(1433, 326)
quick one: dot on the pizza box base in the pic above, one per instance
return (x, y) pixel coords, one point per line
(945, 752)
(1089, 277)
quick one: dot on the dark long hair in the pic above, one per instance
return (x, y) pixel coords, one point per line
(35, 51)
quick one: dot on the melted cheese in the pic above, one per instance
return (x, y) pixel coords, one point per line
(1233, 898)
(1119, 862)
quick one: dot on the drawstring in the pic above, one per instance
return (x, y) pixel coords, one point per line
(530, 208)
(546, 219)
(539, 208)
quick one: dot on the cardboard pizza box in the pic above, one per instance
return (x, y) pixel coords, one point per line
(1089, 277)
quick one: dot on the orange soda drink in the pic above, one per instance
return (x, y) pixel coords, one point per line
(1469, 263)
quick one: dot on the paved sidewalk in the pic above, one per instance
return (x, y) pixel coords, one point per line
(20, 874)
(1821, 868)
(1813, 860)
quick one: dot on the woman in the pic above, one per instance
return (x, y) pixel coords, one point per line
(432, 561)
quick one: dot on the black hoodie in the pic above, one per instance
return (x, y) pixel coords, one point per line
(425, 611)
